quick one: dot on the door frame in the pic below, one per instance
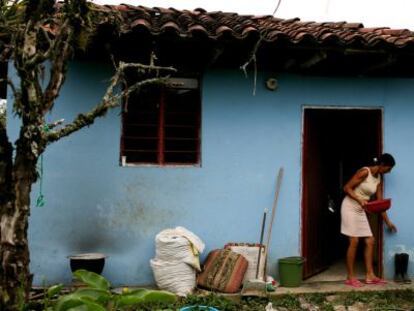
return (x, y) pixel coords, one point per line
(303, 224)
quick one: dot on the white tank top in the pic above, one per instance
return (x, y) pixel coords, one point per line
(368, 186)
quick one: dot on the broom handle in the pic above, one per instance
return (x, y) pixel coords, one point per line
(272, 218)
(261, 242)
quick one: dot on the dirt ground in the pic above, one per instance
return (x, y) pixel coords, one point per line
(326, 296)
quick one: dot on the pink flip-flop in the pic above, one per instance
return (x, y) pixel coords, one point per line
(354, 283)
(376, 281)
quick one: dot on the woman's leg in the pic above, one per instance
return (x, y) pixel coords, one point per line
(368, 254)
(350, 256)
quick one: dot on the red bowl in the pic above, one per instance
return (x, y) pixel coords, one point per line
(378, 206)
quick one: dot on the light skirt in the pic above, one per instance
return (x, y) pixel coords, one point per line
(354, 221)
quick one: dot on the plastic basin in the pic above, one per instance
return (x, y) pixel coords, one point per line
(199, 308)
(378, 206)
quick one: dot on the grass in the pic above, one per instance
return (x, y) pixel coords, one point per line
(374, 301)
(398, 300)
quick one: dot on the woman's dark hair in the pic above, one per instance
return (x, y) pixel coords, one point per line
(386, 159)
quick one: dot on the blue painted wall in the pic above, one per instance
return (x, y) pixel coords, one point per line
(94, 205)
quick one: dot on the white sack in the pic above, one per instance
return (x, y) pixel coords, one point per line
(177, 277)
(195, 240)
(176, 260)
(179, 244)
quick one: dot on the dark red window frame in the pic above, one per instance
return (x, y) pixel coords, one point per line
(161, 125)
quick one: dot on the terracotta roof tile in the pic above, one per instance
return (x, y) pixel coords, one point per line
(248, 30)
(216, 24)
(196, 27)
(140, 22)
(223, 29)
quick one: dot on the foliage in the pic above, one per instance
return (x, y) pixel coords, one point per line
(381, 299)
(96, 296)
(290, 302)
(375, 300)
(39, 38)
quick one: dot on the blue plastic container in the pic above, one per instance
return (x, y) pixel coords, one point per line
(199, 308)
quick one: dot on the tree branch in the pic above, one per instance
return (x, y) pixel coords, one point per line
(16, 93)
(109, 100)
(5, 54)
(6, 156)
(62, 51)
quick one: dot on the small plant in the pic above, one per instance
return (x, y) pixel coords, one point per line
(288, 301)
(96, 296)
(50, 293)
(354, 297)
(327, 307)
(316, 298)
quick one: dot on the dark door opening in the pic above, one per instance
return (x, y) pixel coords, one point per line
(336, 143)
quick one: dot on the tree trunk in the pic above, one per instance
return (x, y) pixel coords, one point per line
(15, 277)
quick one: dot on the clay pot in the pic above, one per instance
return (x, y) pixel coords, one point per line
(89, 261)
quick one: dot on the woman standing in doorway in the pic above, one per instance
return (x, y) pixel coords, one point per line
(366, 183)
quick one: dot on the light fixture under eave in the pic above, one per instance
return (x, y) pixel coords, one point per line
(272, 84)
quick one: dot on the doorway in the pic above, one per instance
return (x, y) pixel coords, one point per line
(336, 143)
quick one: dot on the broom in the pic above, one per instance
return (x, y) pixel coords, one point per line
(269, 233)
(257, 287)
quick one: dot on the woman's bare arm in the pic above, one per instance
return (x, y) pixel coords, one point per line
(349, 187)
(380, 196)
(380, 192)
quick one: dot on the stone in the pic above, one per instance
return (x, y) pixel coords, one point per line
(304, 305)
(358, 306)
(331, 298)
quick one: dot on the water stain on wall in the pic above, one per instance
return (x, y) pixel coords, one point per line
(133, 218)
(140, 212)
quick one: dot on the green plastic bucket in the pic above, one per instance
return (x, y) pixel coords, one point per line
(290, 271)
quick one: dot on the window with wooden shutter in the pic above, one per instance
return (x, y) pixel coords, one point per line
(161, 125)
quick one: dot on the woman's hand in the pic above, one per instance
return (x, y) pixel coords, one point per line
(391, 226)
(362, 203)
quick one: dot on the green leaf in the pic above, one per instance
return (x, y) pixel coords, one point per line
(91, 279)
(79, 308)
(136, 291)
(128, 300)
(76, 302)
(145, 296)
(67, 302)
(54, 290)
(82, 296)
(159, 296)
(99, 295)
(88, 306)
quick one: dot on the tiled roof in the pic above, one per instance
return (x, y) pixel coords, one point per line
(218, 25)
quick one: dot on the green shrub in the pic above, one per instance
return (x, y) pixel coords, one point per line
(96, 296)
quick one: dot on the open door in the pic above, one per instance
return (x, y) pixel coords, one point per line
(336, 143)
